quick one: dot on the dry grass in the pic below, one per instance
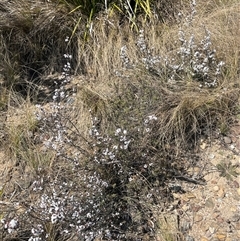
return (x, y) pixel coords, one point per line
(188, 116)
(225, 33)
(190, 99)
(38, 29)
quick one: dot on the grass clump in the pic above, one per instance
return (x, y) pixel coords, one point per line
(33, 42)
(33, 34)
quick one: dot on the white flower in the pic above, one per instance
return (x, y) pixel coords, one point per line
(11, 225)
(54, 218)
(118, 131)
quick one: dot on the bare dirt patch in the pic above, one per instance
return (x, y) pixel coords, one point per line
(210, 212)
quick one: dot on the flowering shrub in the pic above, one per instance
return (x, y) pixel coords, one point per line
(68, 208)
(100, 197)
(195, 60)
(114, 177)
(106, 173)
(111, 183)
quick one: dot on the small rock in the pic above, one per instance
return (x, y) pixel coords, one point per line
(233, 209)
(204, 239)
(238, 191)
(211, 230)
(232, 147)
(203, 145)
(211, 156)
(234, 184)
(221, 192)
(179, 212)
(227, 140)
(196, 169)
(198, 218)
(221, 237)
(216, 188)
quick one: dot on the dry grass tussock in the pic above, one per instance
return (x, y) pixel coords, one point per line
(32, 41)
(38, 29)
(119, 114)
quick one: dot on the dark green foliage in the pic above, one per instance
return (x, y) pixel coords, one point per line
(227, 170)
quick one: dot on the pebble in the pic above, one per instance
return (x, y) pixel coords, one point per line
(221, 192)
(216, 188)
(203, 146)
(227, 140)
(211, 156)
(198, 218)
(211, 230)
(221, 237)
(232, 147)
(238, 191)
(196, 170)
(235, 184)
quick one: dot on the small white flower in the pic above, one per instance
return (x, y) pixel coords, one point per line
(11, 225)
(54, 218)
(119, 130)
